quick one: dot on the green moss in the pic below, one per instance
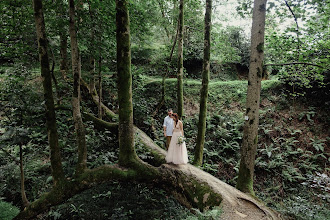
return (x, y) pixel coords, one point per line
(256, 140)
(260, 47)
(259, 72)
(245, 179)
(201, 196)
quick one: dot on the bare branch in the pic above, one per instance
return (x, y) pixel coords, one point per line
(293, 63)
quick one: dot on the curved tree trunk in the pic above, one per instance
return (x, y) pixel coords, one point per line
(250, 132)
(127, 153)
(55, 157)
(180, 62)
(23, 194)
(76, 70)
(198, 159)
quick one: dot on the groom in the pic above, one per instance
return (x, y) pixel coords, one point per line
(168, 127)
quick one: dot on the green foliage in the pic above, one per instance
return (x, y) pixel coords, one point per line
(230, 45)
(17, 32)
(7, 210)
(298, 207)
(207, 215)
(308, 44)
(124, 201)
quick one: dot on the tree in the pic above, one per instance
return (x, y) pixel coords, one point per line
(198, 159)
(63, 32)
(180, 61)
(55, 157)
(250, 131)
(127, 153)
(76, 71)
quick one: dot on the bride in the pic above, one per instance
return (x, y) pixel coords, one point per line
(177, 150)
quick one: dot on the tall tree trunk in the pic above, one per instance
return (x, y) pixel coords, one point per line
(250, 132)
(55, 156)
(76, 70)
(52, 72)
(180, 62)
(23, 194)
(63, 54)
(100, 113)
(198, 159)
(91, 49)
(127, 153)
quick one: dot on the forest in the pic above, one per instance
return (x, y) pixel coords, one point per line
(85, 86)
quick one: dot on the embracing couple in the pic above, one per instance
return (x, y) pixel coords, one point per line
(175, 144)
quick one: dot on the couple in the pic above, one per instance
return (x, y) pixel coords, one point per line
(176, 147)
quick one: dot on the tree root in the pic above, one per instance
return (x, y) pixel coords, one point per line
(66, 190)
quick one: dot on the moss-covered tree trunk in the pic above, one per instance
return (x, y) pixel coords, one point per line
(21, 167)
(180, 61)
(250, 132)
(198, 159)
(76, 71)
(127, 153)
(55, 156)
(100, 112)
(63, 54)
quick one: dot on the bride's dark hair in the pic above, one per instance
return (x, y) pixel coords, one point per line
(176, 117)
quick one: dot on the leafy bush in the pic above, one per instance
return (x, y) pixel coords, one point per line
(7, 210)
(314, 87)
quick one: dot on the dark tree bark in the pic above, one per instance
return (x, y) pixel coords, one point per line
(100, 112)
(63, 54)
(76, 70)
(55, 157)
(58, 97)
(198, 159)
(127, 153)
(250, 132)
(180, 62)
(23, 194)
(91, 48)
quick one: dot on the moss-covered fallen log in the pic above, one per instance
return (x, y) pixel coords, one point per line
(69, 188)
(108, 113)
(112, 126)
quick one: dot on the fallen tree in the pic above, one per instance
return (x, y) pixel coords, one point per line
(196, 188)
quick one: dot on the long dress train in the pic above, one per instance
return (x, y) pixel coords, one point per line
(177, 153)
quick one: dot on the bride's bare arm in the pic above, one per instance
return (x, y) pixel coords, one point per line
(181, 128)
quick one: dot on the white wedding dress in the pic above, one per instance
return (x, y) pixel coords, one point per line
(177, 153)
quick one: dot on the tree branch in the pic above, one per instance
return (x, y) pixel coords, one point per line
(293, 63)
(296, 20)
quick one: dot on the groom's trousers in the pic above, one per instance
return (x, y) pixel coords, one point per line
(168, 141)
